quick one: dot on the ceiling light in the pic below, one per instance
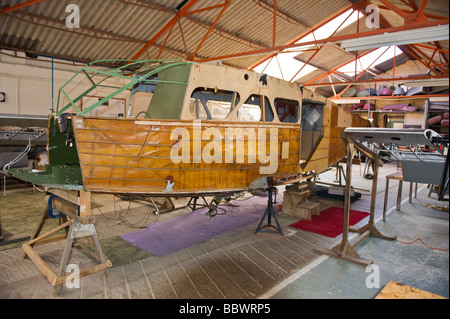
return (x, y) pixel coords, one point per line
(436, 33)
(427, 82)
(345, 101)
(439, 99)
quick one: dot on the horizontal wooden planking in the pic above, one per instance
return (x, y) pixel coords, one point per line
(163, 150)
(167, 163)
(127, 159)
(147, 181)
(129, 155)
(119, 137)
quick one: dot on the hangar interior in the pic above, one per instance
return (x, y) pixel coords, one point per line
(356, 92)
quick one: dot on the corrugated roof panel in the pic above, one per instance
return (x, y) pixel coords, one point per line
(120, 28)
(327, 58)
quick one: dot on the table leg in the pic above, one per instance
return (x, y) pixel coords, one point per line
(399, 194)
(386, 192)
(410, 191)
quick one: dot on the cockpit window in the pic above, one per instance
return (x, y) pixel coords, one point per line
(312, 122)
(287, 110)
(255, 109)
(212, 104)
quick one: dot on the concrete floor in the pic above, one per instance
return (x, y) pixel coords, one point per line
(244, 265)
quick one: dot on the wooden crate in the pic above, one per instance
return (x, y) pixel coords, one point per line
(307, 209)
(294, 196)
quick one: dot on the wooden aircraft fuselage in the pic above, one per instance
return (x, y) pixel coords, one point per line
(208, 129)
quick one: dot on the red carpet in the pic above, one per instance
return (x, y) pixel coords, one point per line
(330, 221)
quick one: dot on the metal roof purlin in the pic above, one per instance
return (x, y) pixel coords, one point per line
(317, 50)
(20, 6)
(363, 71)
(431, 61)
(205, 24)
(274, 22)
(411, 49)
(308, 33)
(417, 15)
(337, 68)
(224, 8)
(412, 18)
(165, 41)
(327, 40)
(168, 25)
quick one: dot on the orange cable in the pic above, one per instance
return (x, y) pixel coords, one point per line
(422, 243)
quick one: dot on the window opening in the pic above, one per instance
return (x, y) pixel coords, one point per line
(212, 104)
(312, 122)
(287, 110)
(252, 109)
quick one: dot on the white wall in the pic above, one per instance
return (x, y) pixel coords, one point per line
(28, 84)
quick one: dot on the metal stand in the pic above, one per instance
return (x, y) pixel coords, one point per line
(270, 212)
(339, 174)
(194, 199)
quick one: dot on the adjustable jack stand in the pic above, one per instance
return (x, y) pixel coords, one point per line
(270, 212)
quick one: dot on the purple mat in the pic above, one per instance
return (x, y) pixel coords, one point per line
(166, 237)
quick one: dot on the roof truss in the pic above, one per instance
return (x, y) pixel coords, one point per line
(430, 55)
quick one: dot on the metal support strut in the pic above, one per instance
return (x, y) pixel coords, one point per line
(270, 212)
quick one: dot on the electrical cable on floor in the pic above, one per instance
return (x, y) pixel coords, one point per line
(418, 239)
(128, 224)
(119, 219)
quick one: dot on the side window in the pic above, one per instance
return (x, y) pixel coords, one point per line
(255, 109)
(312, 121)
(212, 104)
(287, 110)
(268, 113)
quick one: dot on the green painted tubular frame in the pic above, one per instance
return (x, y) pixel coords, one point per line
(121, 72)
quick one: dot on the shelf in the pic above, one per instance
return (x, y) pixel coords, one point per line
(387, 97)
(385, 111)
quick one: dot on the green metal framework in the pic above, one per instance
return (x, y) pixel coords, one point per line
(128, 71)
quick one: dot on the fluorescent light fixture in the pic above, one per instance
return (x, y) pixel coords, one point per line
(345, 101)
(436, 33)
(439, 99)
(426, 82)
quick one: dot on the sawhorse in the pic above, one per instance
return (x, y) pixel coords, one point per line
(79, 229)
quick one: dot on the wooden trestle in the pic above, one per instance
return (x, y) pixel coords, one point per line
(79, 226)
